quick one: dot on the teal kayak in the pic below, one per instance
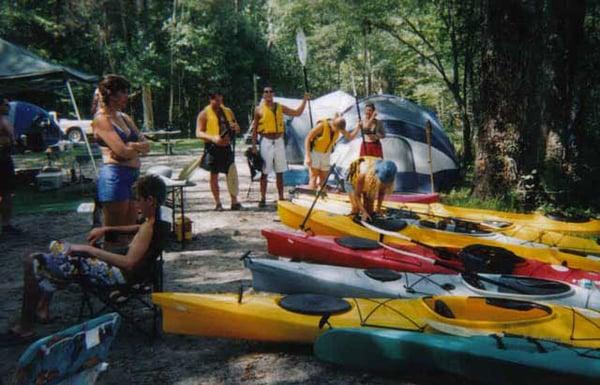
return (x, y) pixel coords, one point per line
(490, 359)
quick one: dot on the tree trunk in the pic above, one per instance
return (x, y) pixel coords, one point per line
(507, 94)
(147, 106)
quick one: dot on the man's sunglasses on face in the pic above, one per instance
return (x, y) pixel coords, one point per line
(268, 91)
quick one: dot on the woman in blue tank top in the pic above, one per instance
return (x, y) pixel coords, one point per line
(121, 144)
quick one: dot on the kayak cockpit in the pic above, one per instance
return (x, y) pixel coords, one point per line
(512, 284)
(482, 309)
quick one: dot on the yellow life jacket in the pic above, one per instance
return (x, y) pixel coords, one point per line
(324, 143)
(212, 120)
(271, 123)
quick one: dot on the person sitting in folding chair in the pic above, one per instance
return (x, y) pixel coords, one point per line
(98, 267)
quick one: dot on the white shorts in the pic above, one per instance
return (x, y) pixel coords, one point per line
(273, 153)
(320, 160)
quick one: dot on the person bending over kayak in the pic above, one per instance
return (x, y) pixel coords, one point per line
(369, 178)
(318, 146)
(99, 267)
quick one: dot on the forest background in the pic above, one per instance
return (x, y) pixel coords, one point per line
(514, 82)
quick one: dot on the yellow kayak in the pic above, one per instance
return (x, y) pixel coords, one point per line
(327, 223)
(528, 235)
(272, 317)
(549, 222)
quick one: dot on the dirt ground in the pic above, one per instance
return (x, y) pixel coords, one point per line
(210, 263)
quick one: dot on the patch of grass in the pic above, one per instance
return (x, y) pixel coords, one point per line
(461, 197)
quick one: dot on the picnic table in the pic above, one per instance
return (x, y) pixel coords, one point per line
(165, 137)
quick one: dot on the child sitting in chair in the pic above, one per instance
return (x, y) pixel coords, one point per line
(97, 266)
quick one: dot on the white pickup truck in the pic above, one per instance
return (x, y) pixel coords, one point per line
(73, 129)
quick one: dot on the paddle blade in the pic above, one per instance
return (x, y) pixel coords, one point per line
(302, 47)
(189, 169)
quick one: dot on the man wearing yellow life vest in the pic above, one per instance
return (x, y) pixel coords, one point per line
(217, 126)
(318, 146)
(268, 122)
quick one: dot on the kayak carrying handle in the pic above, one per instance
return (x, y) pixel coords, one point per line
(325, 321)
(240, 293)
(499, 342)
(246, 255)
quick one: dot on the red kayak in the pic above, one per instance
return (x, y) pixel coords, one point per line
(365, 253)
(350, 251)
(394, 197)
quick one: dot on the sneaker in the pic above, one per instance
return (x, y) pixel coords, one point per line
(11, 230)
(236, 207)
(262, 204)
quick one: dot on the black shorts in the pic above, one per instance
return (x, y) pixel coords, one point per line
(7, 175)
(217, 159)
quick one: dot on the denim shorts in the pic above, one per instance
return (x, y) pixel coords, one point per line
(115, 183)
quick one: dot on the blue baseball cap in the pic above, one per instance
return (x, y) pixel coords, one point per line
(386, 171)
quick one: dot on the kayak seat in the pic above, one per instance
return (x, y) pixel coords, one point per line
(402, 213)
(383, 275)
(314, 304)
(532, 286)
(356, 243)
(488, 259)
(561, 217)
(441, 308)
(389, 224)
(473, 280)
(428, 224)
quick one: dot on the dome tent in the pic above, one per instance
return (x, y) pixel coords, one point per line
(405, 144)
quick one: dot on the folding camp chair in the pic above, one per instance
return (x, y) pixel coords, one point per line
(119, 298)
(74, 356)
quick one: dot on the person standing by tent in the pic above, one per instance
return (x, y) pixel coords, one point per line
(369, 179)
(217, 126)
(318, 146)
(268, 122)
(7, 170)
(373, 133)
(121, 144)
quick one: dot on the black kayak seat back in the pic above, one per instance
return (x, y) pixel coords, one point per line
(314, 304)
(488, 259)
(428, 224)
(383, 275)
(531, 286)
(441, 308)
(389, 224)
(473, 280)
(514, 304)
(561, 217)
(356, 243)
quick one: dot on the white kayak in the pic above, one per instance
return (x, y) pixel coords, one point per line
(306, 278)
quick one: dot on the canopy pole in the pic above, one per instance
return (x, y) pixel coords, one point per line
(87, 143)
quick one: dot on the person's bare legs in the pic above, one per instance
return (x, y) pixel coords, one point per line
(279, 179)
(323, 177)
(312, 179)
(214, 188)
(263, 187)
(31, 300)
